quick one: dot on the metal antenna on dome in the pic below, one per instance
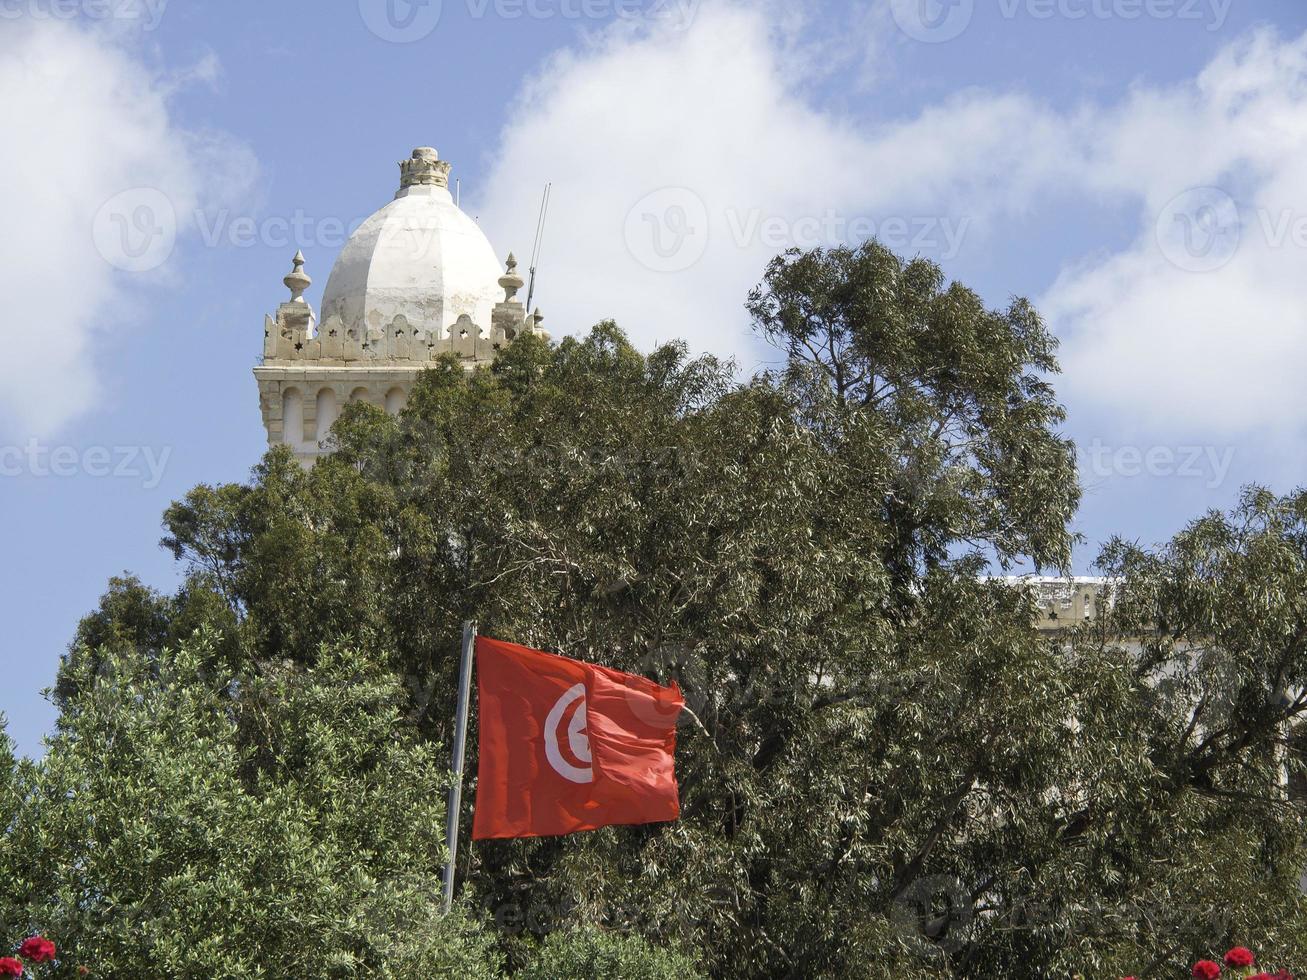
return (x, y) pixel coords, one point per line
(535, 251)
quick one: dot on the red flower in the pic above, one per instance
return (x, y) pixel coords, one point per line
(1207, 970)
(1239, 957)
(38, 949)
(10, 967)
(1261, 976)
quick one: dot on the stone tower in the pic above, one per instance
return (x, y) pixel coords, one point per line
(418, 279)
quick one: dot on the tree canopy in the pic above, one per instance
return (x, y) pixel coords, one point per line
(887, 772)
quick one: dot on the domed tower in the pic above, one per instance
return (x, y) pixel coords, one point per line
(418, 279)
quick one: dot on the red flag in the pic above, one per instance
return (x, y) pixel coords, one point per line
(568, 746)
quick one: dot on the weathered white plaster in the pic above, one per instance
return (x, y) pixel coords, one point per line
(419, 257)
(417, 280)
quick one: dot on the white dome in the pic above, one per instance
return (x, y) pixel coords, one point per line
(420, 256)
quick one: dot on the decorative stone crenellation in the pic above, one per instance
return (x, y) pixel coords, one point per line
(1066, 602)
(424, 168)
(415, 282)
(311, 370)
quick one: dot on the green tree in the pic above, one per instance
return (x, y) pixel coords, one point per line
(1191, 802)
(887, 772)
(803, 559)
(133, 617)
(186, 822)
(13, 921)
(955, 395)
(585, 953)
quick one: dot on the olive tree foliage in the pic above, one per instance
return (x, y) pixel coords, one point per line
(12, 921)
(1199, 696)
(885, 771)
(1165, 828)
(594, 953)
(187, 822)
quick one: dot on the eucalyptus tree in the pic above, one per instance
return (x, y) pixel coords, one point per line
(885, 770)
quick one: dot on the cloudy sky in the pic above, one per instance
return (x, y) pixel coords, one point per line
(1138, 168)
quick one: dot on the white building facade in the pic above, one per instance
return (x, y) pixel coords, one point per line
(417, 280)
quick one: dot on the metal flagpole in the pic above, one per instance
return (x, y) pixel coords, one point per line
(460, 740)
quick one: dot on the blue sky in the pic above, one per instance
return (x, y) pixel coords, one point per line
(1134, 166)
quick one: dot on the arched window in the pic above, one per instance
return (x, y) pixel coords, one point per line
(396, 399)
(358, 395)
(327, 412)
(292, 417)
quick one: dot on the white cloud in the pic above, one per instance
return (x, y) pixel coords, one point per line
(700, 124)
(96, 178)
(711, 131)
(1205, 335)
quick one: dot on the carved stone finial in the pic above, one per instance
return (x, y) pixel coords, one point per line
(298, 280)
(538, 317)
(424, 168)
(510, 281)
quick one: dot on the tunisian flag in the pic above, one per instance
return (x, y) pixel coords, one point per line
(568, 746)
